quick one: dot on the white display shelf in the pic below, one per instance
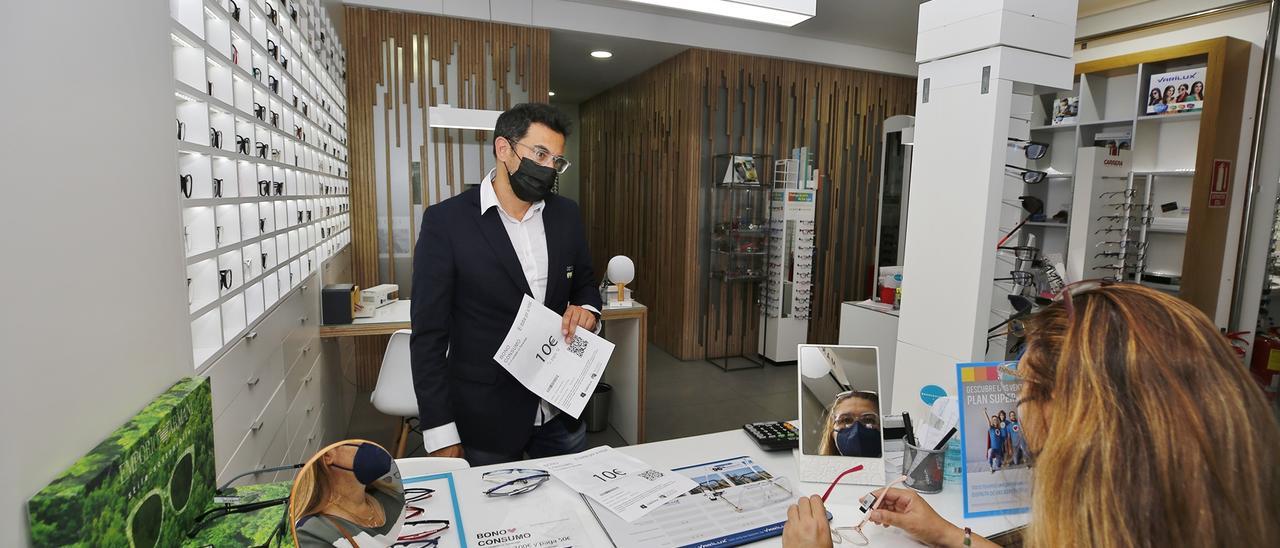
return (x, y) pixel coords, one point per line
(1110, 122)
(1180, 117)
(1166, 173)
(1046, 224)
(265, 243)
(1168, 226)
(1059, 127)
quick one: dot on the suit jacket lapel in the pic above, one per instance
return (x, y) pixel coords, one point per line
(555, 251)
(491, 226)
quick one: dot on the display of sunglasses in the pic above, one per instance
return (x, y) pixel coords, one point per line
(260, 111)
(1123, 243)
(264, 187)
(235, 10)
(185, 183)
(1145, 220)
(279, 187)
(1031, 149)
(273, 15)
(1116, 229)
(262, 149)
(1018, 277)
(217, 187)
(242, 144)
(274, 84)
(225, 278)
(182, 129)
(1022, 252)
(215, 138)
(1117, 254)
(1029, 176)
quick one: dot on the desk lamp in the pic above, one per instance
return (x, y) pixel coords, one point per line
(621, 271)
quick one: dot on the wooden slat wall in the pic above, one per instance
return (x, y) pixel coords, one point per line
(645, 163)
(393, 53)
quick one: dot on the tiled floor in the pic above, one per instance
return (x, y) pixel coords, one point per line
(684, 398)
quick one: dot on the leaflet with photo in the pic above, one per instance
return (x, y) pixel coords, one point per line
(997, 465)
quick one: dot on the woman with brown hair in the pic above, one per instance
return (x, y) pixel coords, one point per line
(1143, 426)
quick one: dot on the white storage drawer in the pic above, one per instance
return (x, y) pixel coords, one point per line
(229, 427)
(301, 346)
(305, 404)
(239, 366)
(257, 436)
(302, 373)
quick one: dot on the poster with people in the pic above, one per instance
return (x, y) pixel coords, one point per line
(997, 464)
(1176, 92)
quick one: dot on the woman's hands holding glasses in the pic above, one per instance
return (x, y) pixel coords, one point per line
(906, 510)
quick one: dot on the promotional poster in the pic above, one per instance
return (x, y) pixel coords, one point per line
(997, 465)
(1176, 92)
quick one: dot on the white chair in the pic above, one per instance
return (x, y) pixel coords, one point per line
(423, 466)
(394, 395)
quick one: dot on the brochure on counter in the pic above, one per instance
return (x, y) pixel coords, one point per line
(623, 485)
(433, 497)
(734, 502)
(536, 354)
(997, 466)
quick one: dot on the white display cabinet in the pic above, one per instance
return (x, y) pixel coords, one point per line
(788, 287)
(262, 157)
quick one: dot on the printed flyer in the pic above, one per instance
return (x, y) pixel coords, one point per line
(997, 465)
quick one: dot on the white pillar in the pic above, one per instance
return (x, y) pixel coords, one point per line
(978, 59)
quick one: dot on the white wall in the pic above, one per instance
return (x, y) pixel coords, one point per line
(1249, 25)
(94, 317)
(672, 29)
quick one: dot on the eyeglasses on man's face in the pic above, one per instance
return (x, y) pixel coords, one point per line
(544, 157)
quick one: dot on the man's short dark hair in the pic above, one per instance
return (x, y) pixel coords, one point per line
(514, 123)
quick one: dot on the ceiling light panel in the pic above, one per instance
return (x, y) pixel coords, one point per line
(786, 13)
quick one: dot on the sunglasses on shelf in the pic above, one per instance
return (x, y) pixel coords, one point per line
(260, 111)
(264, 187)
(279, 187)
(242, 144)
(1029, 176)
(185, 183)
(262, 149)
(1127, 193)
(215, 138)
(1031, 149)
(225, 278)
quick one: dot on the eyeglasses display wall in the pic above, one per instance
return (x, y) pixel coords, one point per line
(262, 157)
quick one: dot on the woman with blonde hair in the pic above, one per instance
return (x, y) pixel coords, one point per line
(852, 426)
(348, 494)
(1143, 427)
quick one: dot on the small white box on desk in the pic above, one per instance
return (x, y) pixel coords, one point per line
(954, 27)
(379, 295)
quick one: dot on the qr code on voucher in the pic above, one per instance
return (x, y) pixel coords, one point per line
(578, 346)
(651, 475)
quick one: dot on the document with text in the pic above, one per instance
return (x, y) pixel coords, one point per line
(626, 486)
(536, 354)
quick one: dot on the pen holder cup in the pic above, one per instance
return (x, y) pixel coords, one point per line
(923, 468)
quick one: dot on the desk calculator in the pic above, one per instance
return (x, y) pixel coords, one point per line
(773, 436)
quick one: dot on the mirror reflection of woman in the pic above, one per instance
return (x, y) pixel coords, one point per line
(347, 495)
(852, 428)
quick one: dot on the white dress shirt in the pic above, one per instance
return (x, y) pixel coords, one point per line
(529, 238)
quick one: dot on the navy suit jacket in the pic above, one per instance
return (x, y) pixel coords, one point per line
(467, 288)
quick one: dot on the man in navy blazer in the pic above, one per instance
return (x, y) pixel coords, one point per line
(477, 255)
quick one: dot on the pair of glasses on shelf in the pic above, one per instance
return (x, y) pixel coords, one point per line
(260, 111)
(257, 74)
(1126, 193)
(217, 187)
(262, 225)
(1029, 176)
(1112, 230)
(1130, 206)
(235, 55)
(215, 138)
(278, 186)
(272, 14)
(1032, 150)
(262, 149)
(284, 62)
(1022, 252)
(242, 144)
(1135, 244)
(1018, 277)
(182, 129)
(1141, 220)
(1136, 255)
(274, 84)
(235, 10)
(297, 131)
(264, 261)
(264, 187)
(225, 279)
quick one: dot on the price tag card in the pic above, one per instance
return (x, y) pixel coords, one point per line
(536, 354)
(624, 485)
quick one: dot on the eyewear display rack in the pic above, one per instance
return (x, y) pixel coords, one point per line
(1176, 204)
(262, 157)
(738, 249)
(788, 288)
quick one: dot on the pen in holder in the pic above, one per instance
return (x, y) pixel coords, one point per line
(923, 467)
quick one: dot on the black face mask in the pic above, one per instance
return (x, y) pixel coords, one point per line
(533, 182)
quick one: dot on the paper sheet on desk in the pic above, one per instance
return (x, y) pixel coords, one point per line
(624, 485)
(535, 353)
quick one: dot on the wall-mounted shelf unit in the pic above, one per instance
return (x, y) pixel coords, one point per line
(260, 107)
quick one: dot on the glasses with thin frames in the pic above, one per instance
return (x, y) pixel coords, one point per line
(514, 481)
(1029, 176)
(1022, 252)
(544, 157)
(854, 534)
(1033, 150)
(1018, 277)
(1127, 193)
(186, 182)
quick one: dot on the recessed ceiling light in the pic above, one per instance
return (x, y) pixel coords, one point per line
(551, 94)
(601, 54)
(786, 13)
